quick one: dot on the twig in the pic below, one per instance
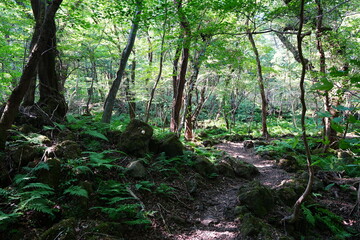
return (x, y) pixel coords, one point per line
(162, 217)
(136, 197)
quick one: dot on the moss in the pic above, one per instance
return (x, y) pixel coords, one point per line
(64, 230)
(257, 198)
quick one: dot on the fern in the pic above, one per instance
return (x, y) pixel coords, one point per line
(122, 211)
(39, 186)
(37, 203)
(7, 219)
(96, 134)
(308, 215)
(77, 191)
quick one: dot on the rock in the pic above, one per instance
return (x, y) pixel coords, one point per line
(50, 176)
(257, 198)
(136, 169)
(255, 227)
(135, 139)
(171, 146)
(289, 164)
(64, 230)
(25, 154)
(248, 144)
(235, 138)
(240, 168)
(204, 166)
(287, 195)
(225, 168)
(67, 150)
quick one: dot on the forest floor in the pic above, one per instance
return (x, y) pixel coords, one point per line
(212, 213)
(213, 216)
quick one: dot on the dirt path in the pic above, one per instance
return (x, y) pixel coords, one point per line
(214, 217)
(270, 174)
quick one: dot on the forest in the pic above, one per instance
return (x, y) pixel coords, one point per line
(180, 119)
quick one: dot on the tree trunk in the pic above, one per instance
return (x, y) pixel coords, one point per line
(189, 116)
(329, 133)
(179, 85)
(110, 100)
(265, 132)
(17, 95)
(297, 205)
(52, 100)
(130, 96)
(152, 93)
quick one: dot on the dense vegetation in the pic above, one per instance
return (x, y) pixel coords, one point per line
(111, 109)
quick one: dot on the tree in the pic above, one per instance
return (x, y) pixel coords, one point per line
(12, 106)
(110, 100)
(300, 35)
(52, 99)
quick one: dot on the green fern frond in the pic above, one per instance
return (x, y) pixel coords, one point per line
(96, 134)
(38, 185)
(77, 191)
(22, 178)
(142, 221)
(308, 215)
(37, 203)
(118, 199)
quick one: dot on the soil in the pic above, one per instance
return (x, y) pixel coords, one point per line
(209, 214)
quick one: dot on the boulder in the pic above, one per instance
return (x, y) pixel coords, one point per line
(50, 176)
(288, 163)
(23, 155)
(135, 139)
(248, 144)
(257, 198)
(66, 150)
(204, 166)
(64, 230)
(239, 168)
(136, 169)
(255, 228)
(171, 146)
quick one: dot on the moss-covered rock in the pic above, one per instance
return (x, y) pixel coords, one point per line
(136, 169)
(257, 198)
(67, 149)
(51, 175)
(135, 139)
(240, 168)
(26, 153)
(289, 164)
(287, 195)
(64, 230)
(254, 227)
(171, 146)
(204, 166)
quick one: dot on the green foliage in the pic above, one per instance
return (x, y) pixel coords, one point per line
(322, 217)
(164, 189)
(76, 191)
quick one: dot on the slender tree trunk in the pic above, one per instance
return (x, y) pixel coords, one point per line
(265, 132)
(130, 96)
(110, 100)
(329, 133)
(91, 89)
(189, 117)
(17, 95)
(152, 93)
(297, 205)
(180, 82)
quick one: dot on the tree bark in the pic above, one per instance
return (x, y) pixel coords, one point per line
(265, 132)
(296, 209)
(110, 100)
(179, 85)
(52, 100)
(17, 95)
(189, 115)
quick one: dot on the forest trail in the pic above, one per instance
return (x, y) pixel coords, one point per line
(215, 218)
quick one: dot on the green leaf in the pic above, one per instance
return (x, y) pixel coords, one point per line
(96, 134)
(77, 191)
(38, 185)
(337, 127)
(308, 215)
(323, 85)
